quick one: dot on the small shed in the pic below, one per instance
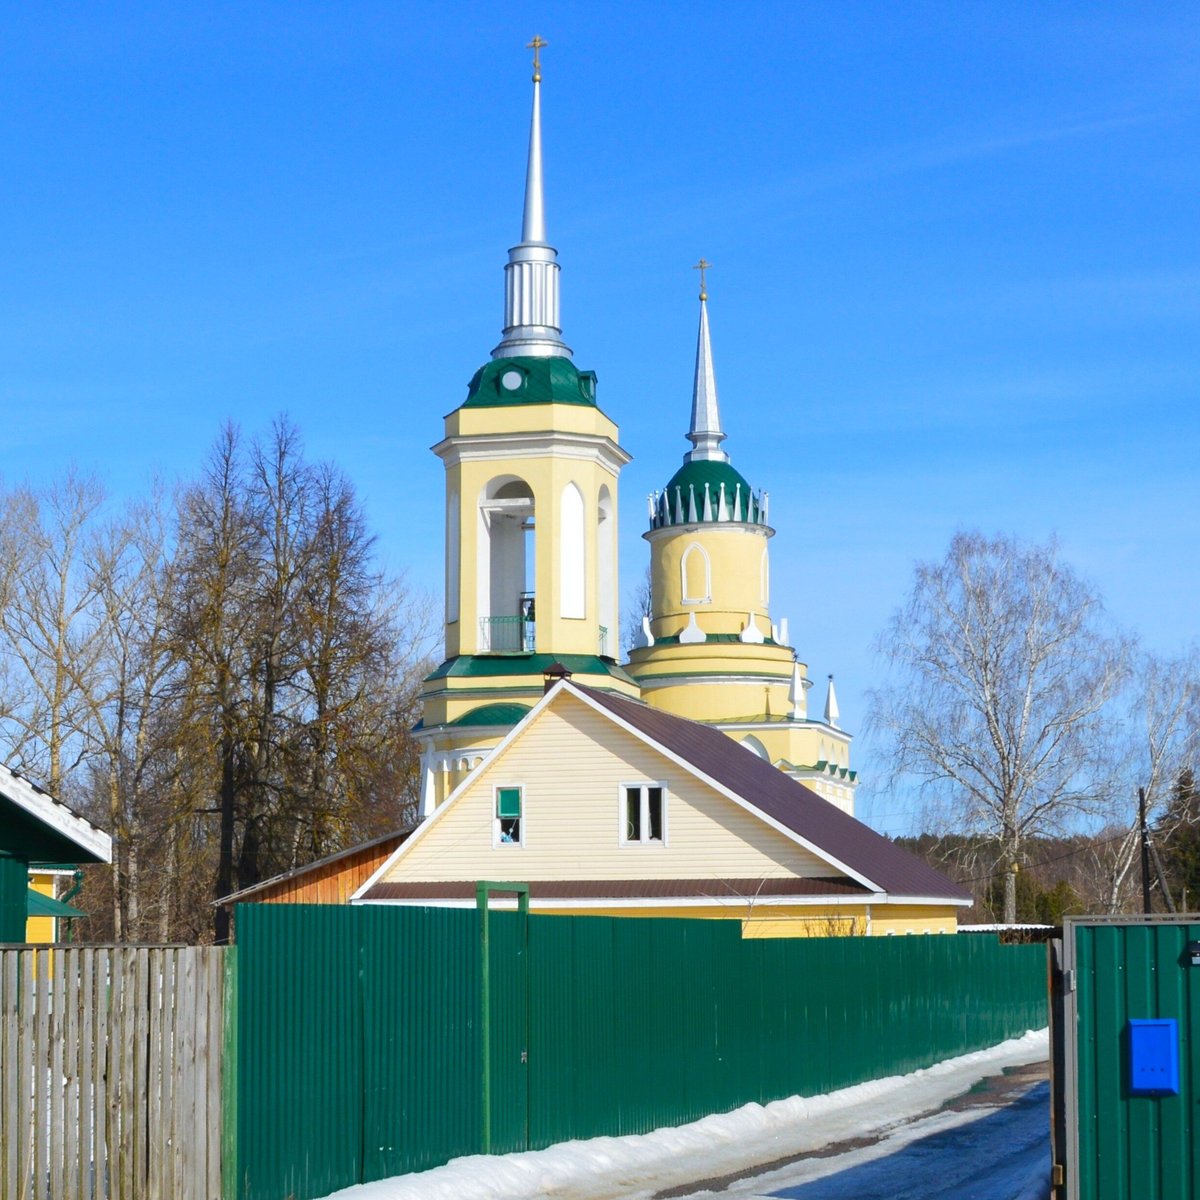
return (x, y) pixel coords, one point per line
(330, 880)
(36, 828)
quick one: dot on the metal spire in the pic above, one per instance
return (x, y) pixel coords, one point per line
(531, 316)
(705, 434)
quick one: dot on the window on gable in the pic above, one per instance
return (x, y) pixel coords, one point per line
(643, 815)
(508, 815)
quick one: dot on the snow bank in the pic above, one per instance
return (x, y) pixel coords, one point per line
(640, 1165)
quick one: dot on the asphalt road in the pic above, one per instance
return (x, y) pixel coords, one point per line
(985, 1145)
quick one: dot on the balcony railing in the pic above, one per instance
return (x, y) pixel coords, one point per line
(508, 635)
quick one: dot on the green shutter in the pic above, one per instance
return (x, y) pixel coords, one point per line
(508, 802)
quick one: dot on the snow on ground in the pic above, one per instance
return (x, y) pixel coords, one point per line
(997, 1151)
(638, 1166)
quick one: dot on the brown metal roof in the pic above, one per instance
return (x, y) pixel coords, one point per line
(783, 799)
(629, 889)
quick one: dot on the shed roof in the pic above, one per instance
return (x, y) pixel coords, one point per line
(41, 829)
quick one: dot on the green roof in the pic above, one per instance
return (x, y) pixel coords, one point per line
(493, 714)
(691, 480)
(37, 905)
(536, 380)
(483, 666)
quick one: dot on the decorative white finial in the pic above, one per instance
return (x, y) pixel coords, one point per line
(796, 696)
(531, 308)
(705, 434)
(831, 706)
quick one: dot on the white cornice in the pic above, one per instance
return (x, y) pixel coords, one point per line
(484, 447)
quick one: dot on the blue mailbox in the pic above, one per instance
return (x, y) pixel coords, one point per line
(1154, 1057)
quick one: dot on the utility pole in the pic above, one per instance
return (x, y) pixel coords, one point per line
(1145, 835)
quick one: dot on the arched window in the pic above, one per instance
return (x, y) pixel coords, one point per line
(572, 542)
(695, 575)
(752, 743)
(764, 577)
(505, 565)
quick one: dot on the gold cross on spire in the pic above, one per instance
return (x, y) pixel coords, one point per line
(702, 266)
(536, 46)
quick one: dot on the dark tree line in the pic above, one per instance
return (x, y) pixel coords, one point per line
(224, 679)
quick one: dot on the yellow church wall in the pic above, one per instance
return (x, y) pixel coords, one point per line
(546, 478)
(731, 699)
(571, 767)
(548, 447)
(518, 419)
(734, 556)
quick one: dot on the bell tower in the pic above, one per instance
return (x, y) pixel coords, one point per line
(531, 517)
(709, 649)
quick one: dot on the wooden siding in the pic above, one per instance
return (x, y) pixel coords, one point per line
(571, 764)
(329, 883)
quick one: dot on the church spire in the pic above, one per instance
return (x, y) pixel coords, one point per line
(705, 434)
(531, 316)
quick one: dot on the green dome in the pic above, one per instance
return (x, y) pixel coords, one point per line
(493, 714)
(673, 505)
(505, 381)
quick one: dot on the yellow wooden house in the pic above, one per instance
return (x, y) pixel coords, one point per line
(602, 804)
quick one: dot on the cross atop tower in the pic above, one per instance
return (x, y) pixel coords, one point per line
(536, 46)
(702, 266)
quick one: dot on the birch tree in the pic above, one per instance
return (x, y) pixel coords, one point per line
(1004, 666)
(1160, 744)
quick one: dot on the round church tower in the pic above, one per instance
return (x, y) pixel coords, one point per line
(709, 649)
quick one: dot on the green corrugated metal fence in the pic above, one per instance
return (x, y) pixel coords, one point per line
(359, 1029)
(1126, 1146)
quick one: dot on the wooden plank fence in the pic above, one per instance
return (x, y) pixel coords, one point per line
(110, 1072)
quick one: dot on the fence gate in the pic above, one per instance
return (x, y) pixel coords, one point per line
(110, 1061)
(1130, 1080)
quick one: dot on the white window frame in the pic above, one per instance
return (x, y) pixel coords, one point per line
(684, 594)
(497, 838)
(643, 786)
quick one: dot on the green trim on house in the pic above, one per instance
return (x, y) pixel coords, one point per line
(543, 381)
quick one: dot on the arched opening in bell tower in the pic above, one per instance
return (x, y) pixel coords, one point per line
(506, 567)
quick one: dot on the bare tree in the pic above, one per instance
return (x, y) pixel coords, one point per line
(1161, 743)
(640, 606)
(296, 659)
(1004, 666)
(49, 624)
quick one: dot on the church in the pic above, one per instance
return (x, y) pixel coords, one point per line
(690, 779)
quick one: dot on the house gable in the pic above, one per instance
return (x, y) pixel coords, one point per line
(572, 763)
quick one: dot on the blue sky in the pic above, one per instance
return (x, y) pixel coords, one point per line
(957, 277)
